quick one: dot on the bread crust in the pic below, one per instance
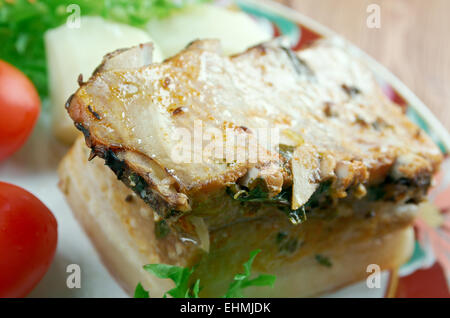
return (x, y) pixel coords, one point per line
(121, 227)
(119, 224)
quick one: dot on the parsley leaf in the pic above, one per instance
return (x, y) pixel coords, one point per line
(242, 280)
(181, 276)
(196, 289)
(140, 292)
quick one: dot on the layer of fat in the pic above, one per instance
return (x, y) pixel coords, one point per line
(74, 51)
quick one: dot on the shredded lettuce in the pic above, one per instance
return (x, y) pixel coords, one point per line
(24, 22)
(184, 288)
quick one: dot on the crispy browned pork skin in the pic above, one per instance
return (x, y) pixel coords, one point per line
(339, 137)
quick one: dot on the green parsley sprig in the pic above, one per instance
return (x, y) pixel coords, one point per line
(185, 289)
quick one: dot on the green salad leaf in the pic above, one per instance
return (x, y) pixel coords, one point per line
(183, 289)
(24, 22)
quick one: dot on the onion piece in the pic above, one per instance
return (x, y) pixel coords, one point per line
(306, 174)
(202, 232)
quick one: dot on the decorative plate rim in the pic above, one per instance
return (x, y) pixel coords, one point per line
(412, 100)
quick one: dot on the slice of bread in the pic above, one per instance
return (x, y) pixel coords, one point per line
(122, 228)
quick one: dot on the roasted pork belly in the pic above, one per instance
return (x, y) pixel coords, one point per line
(335, 139)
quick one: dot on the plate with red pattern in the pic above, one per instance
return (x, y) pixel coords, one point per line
(427, 273)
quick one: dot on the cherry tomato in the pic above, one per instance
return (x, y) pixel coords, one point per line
(28, 237)
(19, 109)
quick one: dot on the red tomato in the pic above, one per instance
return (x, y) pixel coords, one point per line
(19, 109)
(28, 237)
